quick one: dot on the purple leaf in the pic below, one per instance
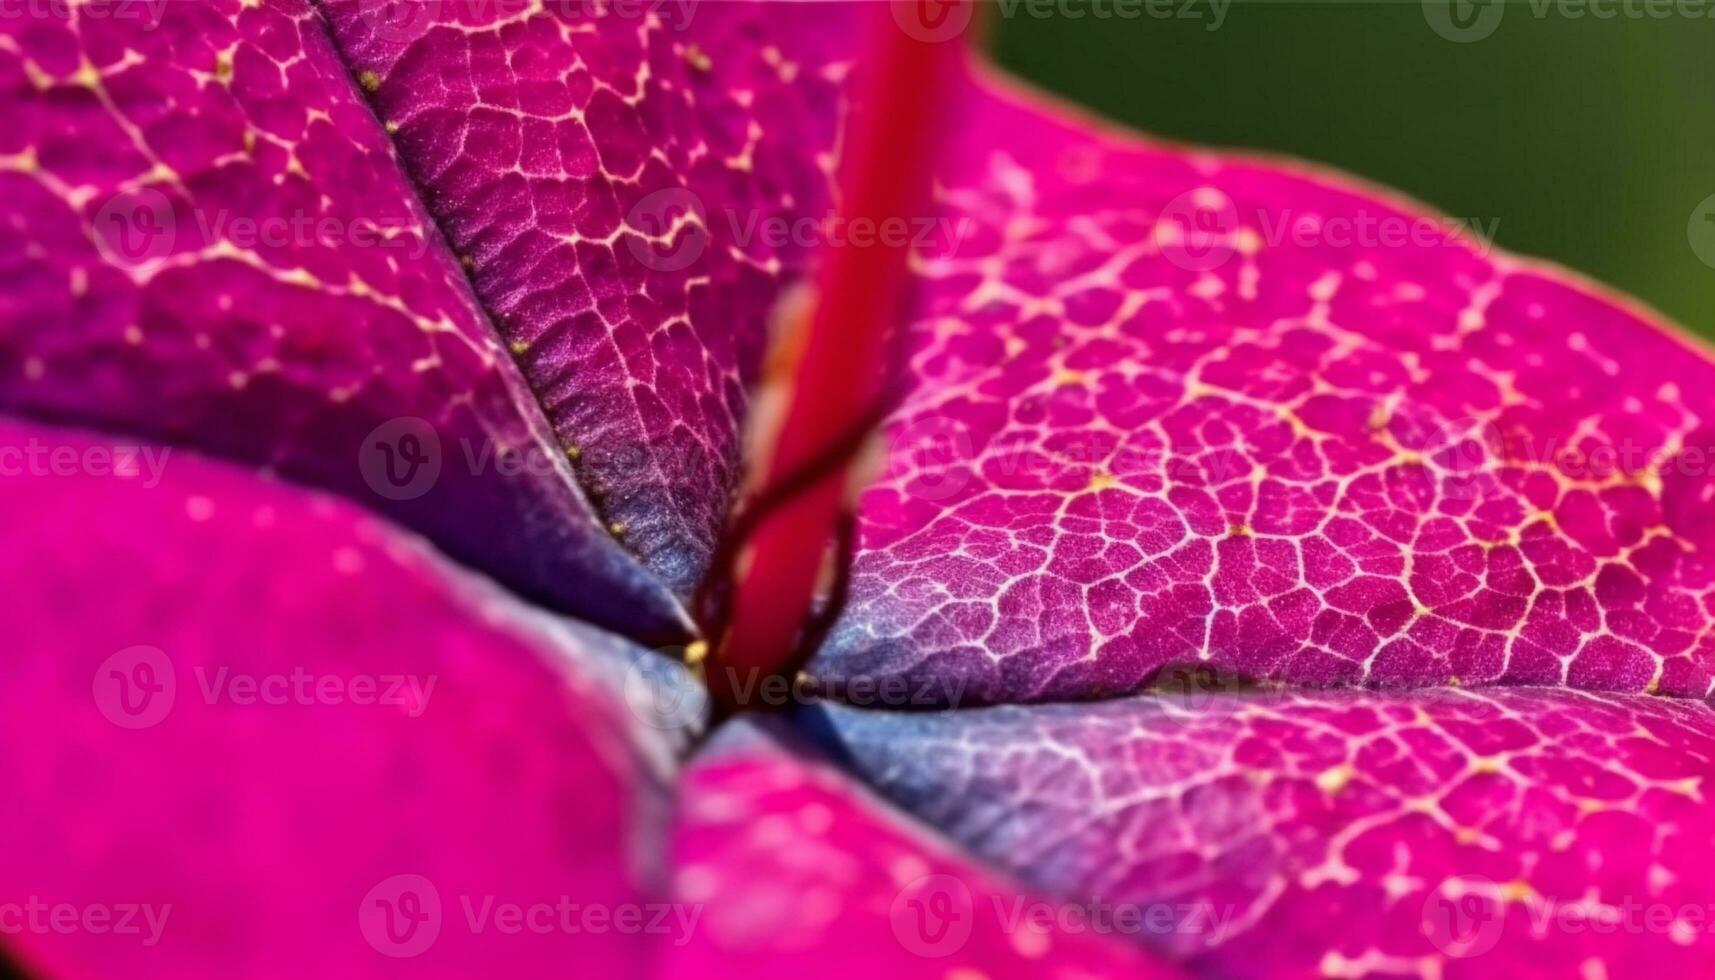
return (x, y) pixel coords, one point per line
(1510, 832)
(343, 775)
(630, 188)
(205, 238)
(801, 872)
(1174, 408)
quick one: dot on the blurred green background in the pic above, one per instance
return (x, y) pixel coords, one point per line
(1592, 141)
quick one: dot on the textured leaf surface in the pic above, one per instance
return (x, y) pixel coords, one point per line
(616, 177)
(1512, 832)
(149, 759)
(1173, 408)
(802, 872)
(205, 237)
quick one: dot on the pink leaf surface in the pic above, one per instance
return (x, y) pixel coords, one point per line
(1511, 832)
(620, 179)
(1169, 407)
(801, 872)
(346, 777)
(205, 237)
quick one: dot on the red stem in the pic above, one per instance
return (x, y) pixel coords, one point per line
(859, 294)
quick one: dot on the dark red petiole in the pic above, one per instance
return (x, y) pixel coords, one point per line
(774, 566)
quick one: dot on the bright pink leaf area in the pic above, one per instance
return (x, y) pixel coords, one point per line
(1453, 834)
(1173, 407)
(803, 873)
(445, 745)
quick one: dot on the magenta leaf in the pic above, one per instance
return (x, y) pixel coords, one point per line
(205, 238)
(1171, 408)
(314, 779)
(1509, 832)
(631, 192)
(801, 872)
(500, 274)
